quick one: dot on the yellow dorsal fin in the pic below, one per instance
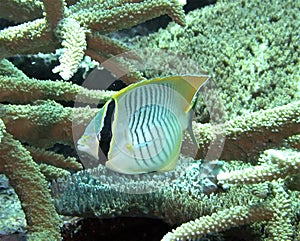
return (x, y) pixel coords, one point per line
(186, 85)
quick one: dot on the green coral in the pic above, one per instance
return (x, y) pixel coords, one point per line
(16, 87)
(44, 26)
(69, 26)
(16, 162)
(218, 221)
(248, 135)
(102, 193)
(251, 49)
(275, 164)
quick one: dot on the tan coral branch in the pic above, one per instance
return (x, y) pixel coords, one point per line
(54, 159)
(219, 221)
(280, 225)
(27, 38)
(21, 11)
(54, 10)
(32, 189)
(275, 164)
(16, 87)
(106, 44)
(128, 15)
(254, 130)
(247, 136)
(126, 73)
(46, 123)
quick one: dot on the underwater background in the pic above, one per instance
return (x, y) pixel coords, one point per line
(251, 49)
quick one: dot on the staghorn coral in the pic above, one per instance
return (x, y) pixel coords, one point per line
(275, 164)
(219, 221)
(250, 48)
(249, 130)
(36, 119)
(31, 187)
(101, 193)
(44, 26)
(28, 167)
(32, 114)
(78, 28)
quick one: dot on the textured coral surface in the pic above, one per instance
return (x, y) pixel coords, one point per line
(251, 50)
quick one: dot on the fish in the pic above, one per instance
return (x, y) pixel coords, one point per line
(141, 128)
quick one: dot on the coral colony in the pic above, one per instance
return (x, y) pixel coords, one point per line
(251, 50)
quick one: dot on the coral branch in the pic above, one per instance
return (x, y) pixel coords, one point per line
(54, 159)
(21, 11)
(27, 38)
(121, 70)
(16, 87)
(293, 142)
(46, 123)
(275, 164)
(79, 5)
(219, 221)
(106, 45)
(54, 10)
(51, 172)
(247, 136)
(31, 187)
(280, 226)
(127, 15)
(74, 44)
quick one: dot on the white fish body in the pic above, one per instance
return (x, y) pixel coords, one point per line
(147, 121)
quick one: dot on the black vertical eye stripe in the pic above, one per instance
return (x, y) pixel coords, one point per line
(106, 132)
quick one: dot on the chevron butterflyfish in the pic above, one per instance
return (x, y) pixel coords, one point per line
(140, 129)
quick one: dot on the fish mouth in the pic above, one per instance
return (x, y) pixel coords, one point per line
(87, 157)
